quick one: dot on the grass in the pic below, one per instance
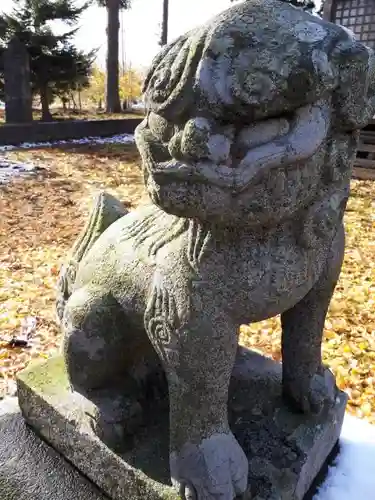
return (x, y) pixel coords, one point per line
(41, 216)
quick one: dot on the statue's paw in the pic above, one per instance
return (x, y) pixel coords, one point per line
(323, 390)
(217, 468)
(311, 396)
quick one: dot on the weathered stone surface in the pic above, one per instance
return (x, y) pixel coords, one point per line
(32, 470)
(59, 417)
(17, 86)
(285, 450)
(247, 148)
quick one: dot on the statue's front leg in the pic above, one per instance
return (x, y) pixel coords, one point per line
(307, 384)
(198, 352)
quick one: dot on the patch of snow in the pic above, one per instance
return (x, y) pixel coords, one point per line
(8, 405)
(114, 139)
(10, 168)
(138, 105)
(352, 475)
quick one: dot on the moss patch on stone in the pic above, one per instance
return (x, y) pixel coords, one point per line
(46, 404)
(48, 376)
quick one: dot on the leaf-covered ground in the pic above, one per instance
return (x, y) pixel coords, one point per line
(41, 216)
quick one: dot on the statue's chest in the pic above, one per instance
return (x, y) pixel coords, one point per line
(262, 279)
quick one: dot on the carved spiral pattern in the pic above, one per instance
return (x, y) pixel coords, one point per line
(160, 329)
(161, 322)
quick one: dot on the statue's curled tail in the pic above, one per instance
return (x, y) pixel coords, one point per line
(105, 211)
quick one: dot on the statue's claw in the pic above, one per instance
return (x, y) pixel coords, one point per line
(215, 469)
(312, 396)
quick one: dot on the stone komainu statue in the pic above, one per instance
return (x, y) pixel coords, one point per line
(247, 146)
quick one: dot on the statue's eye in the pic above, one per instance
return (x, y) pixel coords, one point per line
(160, 127)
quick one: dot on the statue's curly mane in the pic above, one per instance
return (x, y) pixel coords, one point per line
(157, 228)
(255, 76)
(167, 86)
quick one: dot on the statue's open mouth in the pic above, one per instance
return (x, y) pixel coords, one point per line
(308, 129)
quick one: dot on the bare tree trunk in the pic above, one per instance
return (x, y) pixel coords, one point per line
(164, 24)
(46, 114)
(73, 101)
(113, 104)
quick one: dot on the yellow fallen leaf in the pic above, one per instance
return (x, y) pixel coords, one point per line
(366, 409)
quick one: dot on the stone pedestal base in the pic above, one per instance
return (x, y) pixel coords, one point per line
(285, 451)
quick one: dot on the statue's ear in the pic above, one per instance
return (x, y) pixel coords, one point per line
(354, 98)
